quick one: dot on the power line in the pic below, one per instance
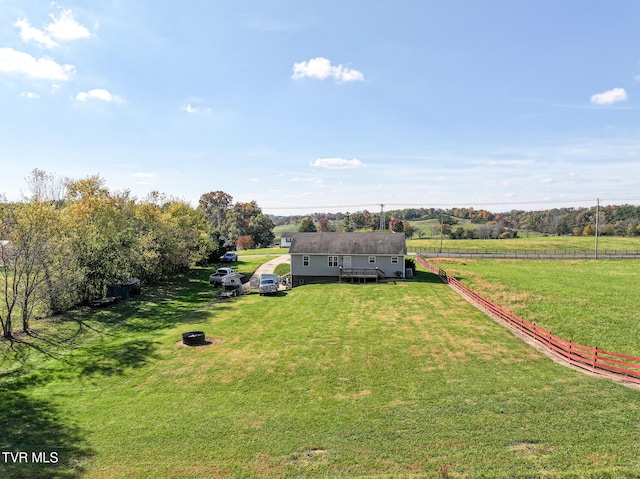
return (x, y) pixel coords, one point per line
(428, 204)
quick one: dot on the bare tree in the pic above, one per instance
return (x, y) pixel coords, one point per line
(44, 187)
(8, 289)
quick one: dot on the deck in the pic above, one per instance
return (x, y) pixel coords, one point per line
(361, 273)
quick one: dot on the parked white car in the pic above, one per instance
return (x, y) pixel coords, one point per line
(216, 278)
(268, 284)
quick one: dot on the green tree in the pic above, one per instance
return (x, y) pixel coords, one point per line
(261, 230)
(307, 225)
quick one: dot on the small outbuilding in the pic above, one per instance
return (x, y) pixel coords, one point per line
(126, 289)
(320, 257)
(285, 239)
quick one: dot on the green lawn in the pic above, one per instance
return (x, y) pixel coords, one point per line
(595, 303)
(263, 251)
(377, 380)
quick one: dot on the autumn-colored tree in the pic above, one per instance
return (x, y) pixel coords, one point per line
(27, 253)
(324, 225)
(245, 242)
(396, 225)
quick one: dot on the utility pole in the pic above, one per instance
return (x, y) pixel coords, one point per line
(441, 228)
(382, 228)
(597, 223)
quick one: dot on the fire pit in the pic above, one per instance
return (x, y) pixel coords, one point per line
(193, 338)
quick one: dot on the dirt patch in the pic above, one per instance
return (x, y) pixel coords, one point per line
(309, 456)
(208, 341)
(530, 450)
(356, 395)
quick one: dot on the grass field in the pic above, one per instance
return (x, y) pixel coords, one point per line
(377, 380)
(526, 241)
(536, 242)
(594, 303)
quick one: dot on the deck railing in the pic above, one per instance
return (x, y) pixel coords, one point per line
(362, 273)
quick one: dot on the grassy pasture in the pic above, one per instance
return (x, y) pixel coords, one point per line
(376, 380)
(594, 303)
(536, 242)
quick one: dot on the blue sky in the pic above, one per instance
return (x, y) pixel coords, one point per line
(311, 106)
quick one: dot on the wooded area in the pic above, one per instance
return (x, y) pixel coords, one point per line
(68, 239)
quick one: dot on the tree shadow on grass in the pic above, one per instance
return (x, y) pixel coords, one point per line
(115, 358)
(41, 443)
(426, 277)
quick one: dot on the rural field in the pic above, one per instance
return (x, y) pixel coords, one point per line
(534, 242)
(376, 381)
(594, 303)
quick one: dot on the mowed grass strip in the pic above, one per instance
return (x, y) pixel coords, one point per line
(594, 303)
(533, 242)
(376, 380)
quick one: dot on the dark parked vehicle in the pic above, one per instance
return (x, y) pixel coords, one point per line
(229, 257)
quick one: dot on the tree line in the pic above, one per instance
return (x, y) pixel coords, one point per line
(613, 220)
(67, 239)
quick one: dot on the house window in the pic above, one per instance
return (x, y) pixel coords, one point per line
(394, 260)
(372, 260)
(306, 260)
(333, 261)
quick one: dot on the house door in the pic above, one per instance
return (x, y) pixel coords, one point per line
(346, 262)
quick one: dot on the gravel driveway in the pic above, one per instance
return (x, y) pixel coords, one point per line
(268, 268)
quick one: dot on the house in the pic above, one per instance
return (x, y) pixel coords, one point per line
(318, 257)
(285, 239)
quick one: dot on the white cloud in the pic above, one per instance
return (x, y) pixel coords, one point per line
(307, 180)
(66, 27)
(322, 69)
(190, 109)
(609, 97)
(32, 34)
(29, 94)
(98, 94)
(195, 109)
(336, 163)
(13, 61)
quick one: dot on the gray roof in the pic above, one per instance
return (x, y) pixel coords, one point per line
(349, 243)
